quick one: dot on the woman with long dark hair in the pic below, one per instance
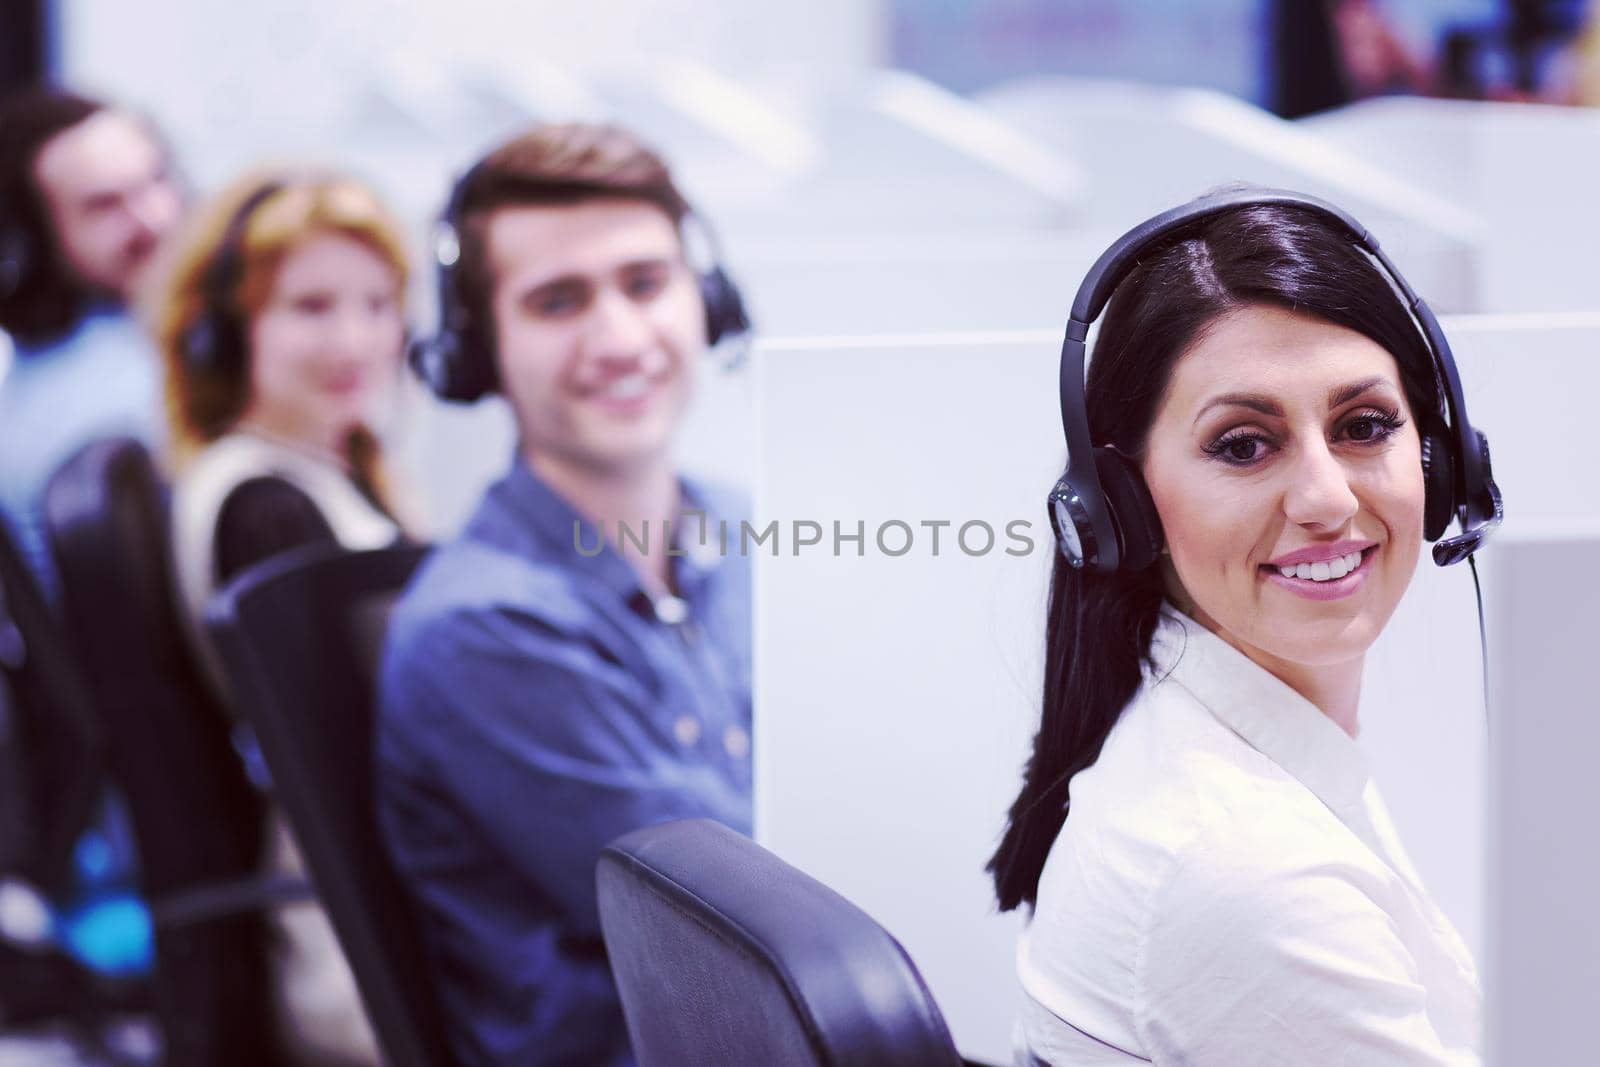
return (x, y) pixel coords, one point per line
(1212, 874)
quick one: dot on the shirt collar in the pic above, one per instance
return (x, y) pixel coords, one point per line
(559, 529)
(1262, 710)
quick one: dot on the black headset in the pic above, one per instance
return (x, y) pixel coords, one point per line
(214, 343)
(1101, 510)
(458, 362)
(16, 249)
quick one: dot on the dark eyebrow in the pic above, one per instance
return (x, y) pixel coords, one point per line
(1346, 393)
(550, 285)
(1253, 401)
(648, 263)
(1266, 406)
(576, 279)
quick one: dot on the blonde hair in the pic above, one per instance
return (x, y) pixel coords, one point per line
(203, 403)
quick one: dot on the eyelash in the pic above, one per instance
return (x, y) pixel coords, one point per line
(1384, 423)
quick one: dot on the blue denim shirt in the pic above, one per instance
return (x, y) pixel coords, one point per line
(535, 704)
(98, 381)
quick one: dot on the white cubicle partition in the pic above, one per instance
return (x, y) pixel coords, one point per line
(988, 252)
(1543, 963)
(1527, 171)
(896, 694)
(1147, 147)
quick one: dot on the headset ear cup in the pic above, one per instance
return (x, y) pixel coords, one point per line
(452, 368)
(725, 311)
(212, 344)
(473, 373)
(16, 257)
(1133, 511)
(457, 363)
(196, 344)
(228, 354)
(1438, 484)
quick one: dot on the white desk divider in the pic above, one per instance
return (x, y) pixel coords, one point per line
(1524, 169)
(1148, 147)
(1543, 963)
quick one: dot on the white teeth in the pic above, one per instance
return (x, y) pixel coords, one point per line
(1325, 571)
(628, 388)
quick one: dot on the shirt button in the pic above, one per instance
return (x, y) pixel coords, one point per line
(736, 742)
(671, 610)
(686, 729)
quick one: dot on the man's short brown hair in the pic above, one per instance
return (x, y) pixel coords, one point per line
(553, 164)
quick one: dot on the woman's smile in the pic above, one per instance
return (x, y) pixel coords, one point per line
(1332, 578)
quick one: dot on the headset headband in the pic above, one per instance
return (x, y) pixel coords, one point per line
(222, 273)
(701, 246)
(457, 361)
(214, 340)
(1477, 501)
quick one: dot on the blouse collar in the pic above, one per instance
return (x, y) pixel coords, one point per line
(1262, 710)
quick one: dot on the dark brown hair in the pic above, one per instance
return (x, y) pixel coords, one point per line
(1098, 627)
(45, 297)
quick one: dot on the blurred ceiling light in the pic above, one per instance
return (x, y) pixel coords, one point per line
(970, 129)
(739, 114)
(1283, 142)
(422, 93)
(548, 91)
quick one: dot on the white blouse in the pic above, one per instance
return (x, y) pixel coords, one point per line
(1228, 890)
(237, 457)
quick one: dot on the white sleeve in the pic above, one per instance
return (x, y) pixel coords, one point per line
(1265, 956)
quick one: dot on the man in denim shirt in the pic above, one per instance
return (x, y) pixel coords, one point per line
(542, 690)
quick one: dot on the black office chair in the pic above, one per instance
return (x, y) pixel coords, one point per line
(196, 817)
(723, 953)
(56, 778)
(299, 637)
(16, 806)
(53, 732)
(37, 981)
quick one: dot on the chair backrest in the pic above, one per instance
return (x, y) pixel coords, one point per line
(298, 637)
(193, 808)
(723, 953)
(196, 817)
(16, 809)
(53, 731)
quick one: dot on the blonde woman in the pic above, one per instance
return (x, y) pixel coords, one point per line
(281, 325)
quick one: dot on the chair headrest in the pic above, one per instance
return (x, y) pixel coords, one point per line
(692, 905)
